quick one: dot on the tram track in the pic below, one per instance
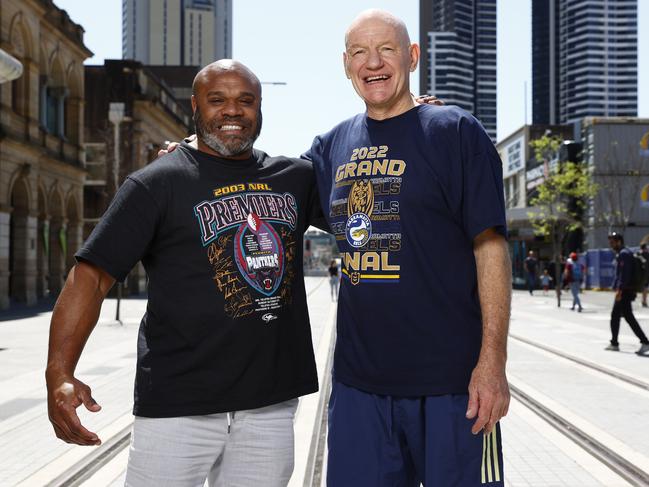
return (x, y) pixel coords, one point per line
(586, 363)
(99, 457)
(626, 469)
(616, 462)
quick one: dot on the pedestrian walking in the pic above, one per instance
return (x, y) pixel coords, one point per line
(334, 279)
(644, 252)
(546, 280)
(530, 265)
(573, 276)
(625, 294)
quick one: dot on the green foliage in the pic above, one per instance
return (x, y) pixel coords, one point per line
(546, 147)
(560, 199)
(562, 196)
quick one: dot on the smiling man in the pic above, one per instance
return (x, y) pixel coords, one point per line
(414, 196)
(224, 349)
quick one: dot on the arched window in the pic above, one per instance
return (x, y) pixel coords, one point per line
(52, 101)
(18, 49)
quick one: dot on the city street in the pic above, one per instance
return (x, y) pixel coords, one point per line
(555, 391)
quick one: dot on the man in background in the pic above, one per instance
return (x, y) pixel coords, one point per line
(625, 294)
(530, 265)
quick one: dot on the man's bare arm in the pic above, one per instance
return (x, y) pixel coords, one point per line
(75, 316)
(488, 389)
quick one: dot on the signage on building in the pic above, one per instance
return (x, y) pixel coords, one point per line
(537, 175)
(644, 145)
(513, 157)
(644, 196)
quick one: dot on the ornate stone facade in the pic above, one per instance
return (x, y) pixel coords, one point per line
(41, 150)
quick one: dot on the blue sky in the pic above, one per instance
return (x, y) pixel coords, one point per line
(301, 42)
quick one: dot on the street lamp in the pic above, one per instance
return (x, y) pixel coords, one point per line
(116, 117)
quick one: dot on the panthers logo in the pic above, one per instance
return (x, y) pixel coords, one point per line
(361, 198)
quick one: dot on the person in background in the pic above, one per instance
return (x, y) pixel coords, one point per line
(530, 268)
(624, 295)
(334, 279)
(644, 251)
(573, 276)
(545, 282)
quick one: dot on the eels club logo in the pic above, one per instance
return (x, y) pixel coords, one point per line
(358, 229)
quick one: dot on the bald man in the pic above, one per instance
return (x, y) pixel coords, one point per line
(413, 194)
(224, 348)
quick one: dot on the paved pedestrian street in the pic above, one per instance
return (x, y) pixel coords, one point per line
(563, 381)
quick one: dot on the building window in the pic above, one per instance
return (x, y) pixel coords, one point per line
(200, 40)
(52, 108)
(17, 96)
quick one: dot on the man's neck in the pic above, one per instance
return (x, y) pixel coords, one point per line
(203, 147)
(394, 110)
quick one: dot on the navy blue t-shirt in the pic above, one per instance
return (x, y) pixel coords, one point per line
(405, 198)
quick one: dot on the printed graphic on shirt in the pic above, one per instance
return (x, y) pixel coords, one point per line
(364, 211)
(248, 231)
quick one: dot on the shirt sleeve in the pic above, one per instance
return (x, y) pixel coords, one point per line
(308, 155)
(317, 216)
(124, 233)
(483, 200)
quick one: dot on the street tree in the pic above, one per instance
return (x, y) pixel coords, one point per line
(560, 199)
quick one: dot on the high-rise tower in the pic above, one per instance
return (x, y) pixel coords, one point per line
(458, 59)
(584, 59)
(176, 32)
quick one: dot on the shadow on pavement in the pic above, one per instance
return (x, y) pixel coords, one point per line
(19, 311)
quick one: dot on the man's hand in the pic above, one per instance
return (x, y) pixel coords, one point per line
(488, 396)
(488, 388)
(64, 396)
(429, 100)
(171, 146)
(74, 317)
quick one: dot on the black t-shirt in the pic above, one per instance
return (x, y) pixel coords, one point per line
(226, 326)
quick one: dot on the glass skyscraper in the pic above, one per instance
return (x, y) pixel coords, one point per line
(458, 59)
(176, 32)
(584, 59)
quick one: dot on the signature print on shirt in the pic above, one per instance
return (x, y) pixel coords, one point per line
(249, 237)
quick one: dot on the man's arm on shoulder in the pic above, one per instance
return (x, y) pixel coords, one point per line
(75, 316)
(488, 389)
(171, 145)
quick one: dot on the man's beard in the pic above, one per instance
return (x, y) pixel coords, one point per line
(207, 133)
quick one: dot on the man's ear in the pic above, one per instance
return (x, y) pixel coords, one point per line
(193, 103)
(345, 65)
(414, 56)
